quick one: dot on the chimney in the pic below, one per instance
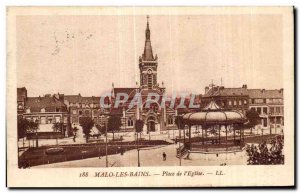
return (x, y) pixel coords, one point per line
(281, 91)
(206, 89)
(61, 97)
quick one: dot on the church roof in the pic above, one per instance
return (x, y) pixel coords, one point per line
(129, 91)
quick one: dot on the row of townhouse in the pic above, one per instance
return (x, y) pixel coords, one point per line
(66, 109)
(69, 109)
(268, 103)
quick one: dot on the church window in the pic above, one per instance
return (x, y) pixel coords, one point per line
(150, 81)
(129, 122)
(170, 120)
(150, 78)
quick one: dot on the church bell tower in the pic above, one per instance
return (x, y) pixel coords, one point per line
(148, 64)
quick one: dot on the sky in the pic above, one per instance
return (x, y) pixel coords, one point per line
(86, 54)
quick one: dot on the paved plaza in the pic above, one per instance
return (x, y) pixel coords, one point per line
(152, 156)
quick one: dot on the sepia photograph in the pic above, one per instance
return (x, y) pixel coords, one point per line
(157, 97)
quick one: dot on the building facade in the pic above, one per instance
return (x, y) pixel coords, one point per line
(270, 106)
(227, 98)
(45, 110)
(80, 106)
(268, 103)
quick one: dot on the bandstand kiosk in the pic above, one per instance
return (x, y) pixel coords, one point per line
(221, 130)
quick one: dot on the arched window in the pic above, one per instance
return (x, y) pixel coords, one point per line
(170, 120)
(150, 78)
(129, 122)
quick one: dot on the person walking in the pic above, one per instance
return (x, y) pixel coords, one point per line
(164, 156)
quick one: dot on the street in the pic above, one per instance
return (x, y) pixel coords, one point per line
(152, 156)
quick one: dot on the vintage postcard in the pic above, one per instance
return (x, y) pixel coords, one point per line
(150, 96)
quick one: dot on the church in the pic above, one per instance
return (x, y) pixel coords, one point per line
(157, 116)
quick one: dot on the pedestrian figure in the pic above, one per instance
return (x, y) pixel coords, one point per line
(74, 133)
(164, 156)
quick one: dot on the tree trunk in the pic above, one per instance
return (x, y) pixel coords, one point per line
(56, 137)
(36, 139)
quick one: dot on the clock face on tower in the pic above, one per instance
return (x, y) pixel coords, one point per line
(149, 71)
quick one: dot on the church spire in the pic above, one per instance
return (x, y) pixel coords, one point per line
(147, 29)
(148, 55)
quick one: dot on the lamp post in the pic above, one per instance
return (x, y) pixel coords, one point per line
(106, 144)
(138, 129)
(179, 129)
